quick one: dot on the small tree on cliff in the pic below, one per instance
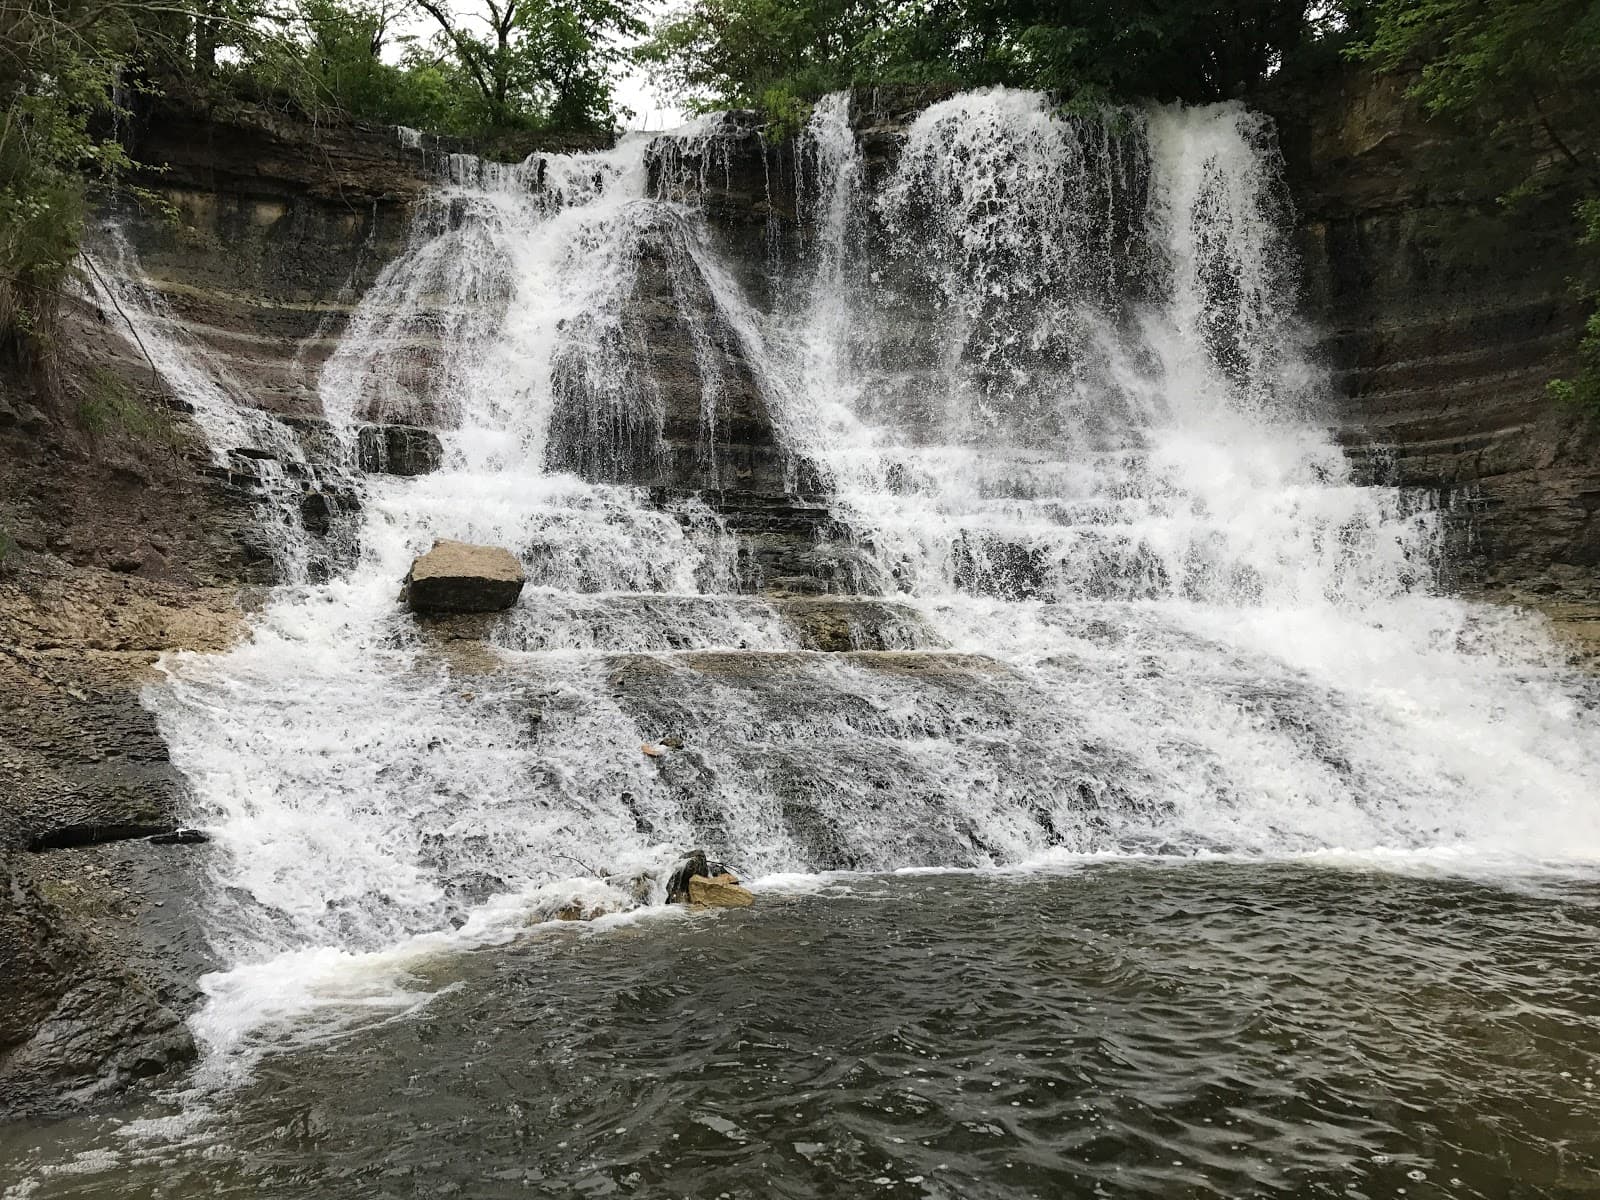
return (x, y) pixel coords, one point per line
(60, 62)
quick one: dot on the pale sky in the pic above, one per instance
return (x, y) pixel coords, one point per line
(651, 110)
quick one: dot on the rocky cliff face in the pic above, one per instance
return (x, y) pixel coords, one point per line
(118, 548)
(1439, 314)
(273, 229)
(1442, 317)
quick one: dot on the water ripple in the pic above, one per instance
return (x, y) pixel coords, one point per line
(1120, 1030)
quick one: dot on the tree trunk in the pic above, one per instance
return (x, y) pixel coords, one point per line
(205, 39)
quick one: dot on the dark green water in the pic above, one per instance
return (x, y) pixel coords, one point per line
(1120, 1030)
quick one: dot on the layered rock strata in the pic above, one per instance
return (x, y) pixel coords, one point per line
(1442, 316)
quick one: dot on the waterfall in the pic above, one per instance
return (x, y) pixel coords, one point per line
(1047, 371)
(249, 447)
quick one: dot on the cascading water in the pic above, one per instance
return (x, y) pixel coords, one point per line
(247, 444)
(1096, 463)
(1047, 371)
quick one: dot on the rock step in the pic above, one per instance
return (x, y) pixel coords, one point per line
(791, 543)
(455, 577)
(653, 623)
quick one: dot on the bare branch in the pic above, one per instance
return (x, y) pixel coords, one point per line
(155, 373)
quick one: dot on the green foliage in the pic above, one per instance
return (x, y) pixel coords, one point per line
(1584, 387)
(109, 406)
(1494, 59)
(1524, 77)
(334, 58)
(56, 74)
(488, 65)
(523, 64)
(785, 113)
(742, 51)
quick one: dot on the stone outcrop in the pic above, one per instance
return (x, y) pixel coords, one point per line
(685, 409)
(843, 623)
(398, 450)
(78, 1018)
(455, 577)
(282, 224)
(678, 882)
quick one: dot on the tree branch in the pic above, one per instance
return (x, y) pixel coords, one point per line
(155, 372)
(463, 50)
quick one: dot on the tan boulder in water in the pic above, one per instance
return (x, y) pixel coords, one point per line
(455, 577)
(720, 891)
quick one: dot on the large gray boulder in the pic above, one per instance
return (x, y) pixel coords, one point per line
(398, 450)
(455, 577)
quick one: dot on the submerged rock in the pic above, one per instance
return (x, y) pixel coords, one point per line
(584, 909)
(455, 577)
(67, 837)
(398, 450)
(721, 891)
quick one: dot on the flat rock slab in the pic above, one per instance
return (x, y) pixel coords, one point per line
(455, 577)
(719, 892)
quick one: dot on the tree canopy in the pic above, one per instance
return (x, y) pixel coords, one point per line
(751, 51)
(452, 66)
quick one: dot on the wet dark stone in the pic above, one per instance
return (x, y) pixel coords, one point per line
(183, 836)
(316, 513)
(641, 820)
(398, 450)
(66, 836)
(678, 884)
(77, 1023)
